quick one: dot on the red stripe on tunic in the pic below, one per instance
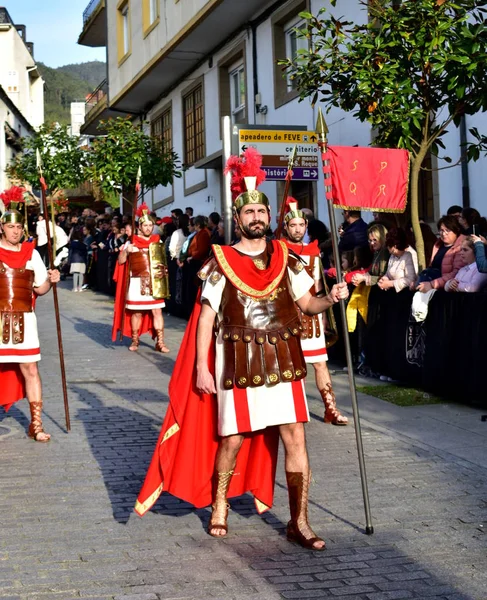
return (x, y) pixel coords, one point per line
(241, 410)
(299, 402)
(19, 352)
(144, 302)
(315, 352)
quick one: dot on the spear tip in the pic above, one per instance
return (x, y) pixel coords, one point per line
(321, 126)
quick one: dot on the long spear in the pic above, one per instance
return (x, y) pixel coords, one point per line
(289, 177)
(321, 132)
(54, 291)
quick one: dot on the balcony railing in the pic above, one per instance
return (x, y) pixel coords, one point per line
(97, 96)
(89, 10)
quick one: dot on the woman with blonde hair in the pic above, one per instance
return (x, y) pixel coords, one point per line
(376, 235)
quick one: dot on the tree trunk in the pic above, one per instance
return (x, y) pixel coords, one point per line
(129, 200)
(416, 162)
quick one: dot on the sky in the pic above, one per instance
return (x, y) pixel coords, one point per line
(54, 26)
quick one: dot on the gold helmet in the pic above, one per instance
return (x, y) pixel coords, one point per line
(247, 175)
(143, 214)
(12, 216)
(293, 211)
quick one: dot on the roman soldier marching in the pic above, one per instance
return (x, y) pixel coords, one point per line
(141, 277)
(232, 396)
(23, 277)
(313, 340)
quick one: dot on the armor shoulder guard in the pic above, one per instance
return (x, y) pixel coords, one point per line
(295, 263)
(210, 270)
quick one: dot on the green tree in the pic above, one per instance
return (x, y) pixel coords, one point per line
(63, 162)
(411, 71)
(115, 159)
(111, 162)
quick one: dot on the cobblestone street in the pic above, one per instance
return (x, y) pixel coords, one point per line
(68, 529)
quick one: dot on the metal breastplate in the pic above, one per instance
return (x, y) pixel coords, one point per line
(140, 267)
(16, 287)
(261, 337)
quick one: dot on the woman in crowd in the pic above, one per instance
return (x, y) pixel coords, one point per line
(89, 234)
(179, 236)
(401, 272)
(380, 259)
(78, 253)
(468, 278)
(446, 259)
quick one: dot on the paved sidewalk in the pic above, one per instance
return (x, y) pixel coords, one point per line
(68, 530)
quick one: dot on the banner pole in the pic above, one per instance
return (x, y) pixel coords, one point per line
(321, 132)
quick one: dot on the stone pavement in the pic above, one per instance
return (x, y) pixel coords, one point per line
(68, 530)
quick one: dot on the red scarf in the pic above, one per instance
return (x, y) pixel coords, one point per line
(142, 243)
(243, 273)
(14, 259)
(310, 249)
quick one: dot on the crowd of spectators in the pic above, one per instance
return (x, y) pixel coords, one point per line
(379, 254)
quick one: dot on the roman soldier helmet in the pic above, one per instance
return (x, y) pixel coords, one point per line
(247, 175)
(143, 214)
(293, 211)
(10, 201)
(12, 216)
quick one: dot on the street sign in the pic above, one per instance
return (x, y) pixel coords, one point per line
(276, 145)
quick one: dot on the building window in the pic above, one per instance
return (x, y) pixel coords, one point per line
(161, 129)
(294, 43)
(238, 94)
(194, 126)
(286, 43)
(150, 15)
(123, 32)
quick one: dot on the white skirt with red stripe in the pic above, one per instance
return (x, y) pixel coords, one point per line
(252, 409)
(136, 301)
(314, 349)
(26, 352)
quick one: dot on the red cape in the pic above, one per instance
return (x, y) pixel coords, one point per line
(12, 382)
(183, 463)
(120, 277)
(12, 385)
(17, 260)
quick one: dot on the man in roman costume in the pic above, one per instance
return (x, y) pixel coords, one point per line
(137, 310)
(23, 276)
(233, 396)
(313, 340)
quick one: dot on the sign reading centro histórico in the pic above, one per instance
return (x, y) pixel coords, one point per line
(276, 145)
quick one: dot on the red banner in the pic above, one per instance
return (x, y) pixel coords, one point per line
(367, 178)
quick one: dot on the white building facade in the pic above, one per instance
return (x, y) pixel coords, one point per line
(21, 91)
(182, 65)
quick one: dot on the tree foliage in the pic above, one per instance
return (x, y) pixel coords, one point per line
(410, 71)
(111, 162)
(64, 163)
(115, 157)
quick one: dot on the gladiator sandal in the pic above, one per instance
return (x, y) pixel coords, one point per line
(298, 529)
(160, 345)
(134, 346)
(35, 427)
(219, 514)
(332, 414)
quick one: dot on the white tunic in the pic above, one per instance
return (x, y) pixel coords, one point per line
(314, 348)
(135, 300)
(251, 409)
(29, 350)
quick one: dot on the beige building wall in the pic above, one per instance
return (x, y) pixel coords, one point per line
(19, 76)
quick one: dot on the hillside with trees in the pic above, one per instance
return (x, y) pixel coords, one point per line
(66, 84)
